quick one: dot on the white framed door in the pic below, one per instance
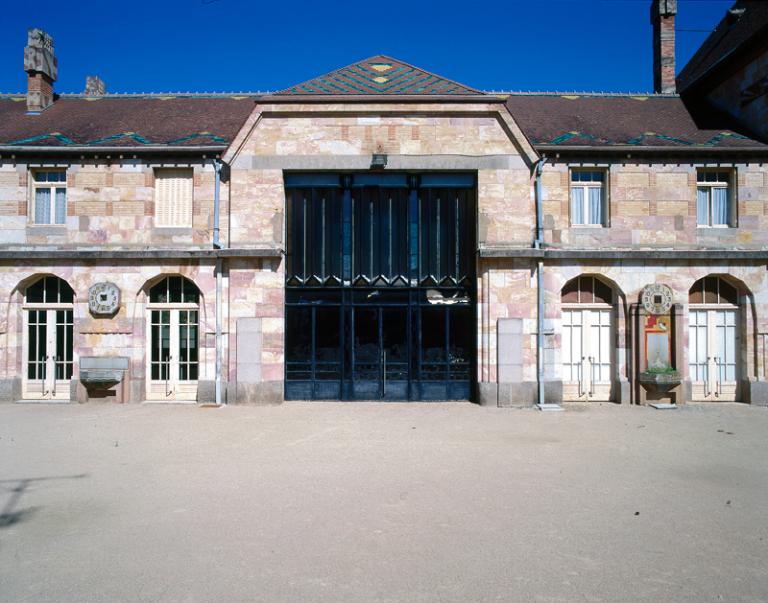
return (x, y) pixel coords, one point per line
(173, 361)
(712, 352)
(587, 353)
(49, 353)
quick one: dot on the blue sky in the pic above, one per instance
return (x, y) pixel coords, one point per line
(236, 45)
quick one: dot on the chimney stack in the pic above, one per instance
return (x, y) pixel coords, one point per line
(95, 86)
(663, 19)
(40, 65)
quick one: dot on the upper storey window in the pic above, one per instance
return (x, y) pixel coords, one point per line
(173, 198)
(714, 198)
(49, 189)
(588, 207)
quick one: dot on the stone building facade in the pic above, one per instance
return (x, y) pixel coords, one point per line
(728, 75)
(377, 233)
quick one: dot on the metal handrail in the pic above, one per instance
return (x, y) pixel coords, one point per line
(50, 375)
(706, 380)
(384, 385)
(720, 365)
(167, 374)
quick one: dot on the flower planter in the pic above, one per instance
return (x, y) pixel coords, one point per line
(659, 382)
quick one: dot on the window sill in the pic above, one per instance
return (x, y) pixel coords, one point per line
(173, 230)
(589, 226)
(53, 230)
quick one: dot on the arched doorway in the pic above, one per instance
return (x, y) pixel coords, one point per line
(713, 318)
(173, 328)
(587, 350)
(48, 332)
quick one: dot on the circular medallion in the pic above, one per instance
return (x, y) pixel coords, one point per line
(656, 298)
(103, 298)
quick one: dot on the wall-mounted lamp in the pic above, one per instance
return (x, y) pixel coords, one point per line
(378, 161)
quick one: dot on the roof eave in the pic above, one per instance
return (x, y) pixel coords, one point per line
(722, 68)
(16, 149)
(629, 149)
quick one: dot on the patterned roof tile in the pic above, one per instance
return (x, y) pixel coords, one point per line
(605, 121)
(380, 75)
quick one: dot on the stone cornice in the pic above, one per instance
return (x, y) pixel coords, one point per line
(622, 254)
(137, 254)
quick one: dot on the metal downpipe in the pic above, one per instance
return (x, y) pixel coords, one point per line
(219, 263)
(540, 333)
(538, 242)
(216, 203)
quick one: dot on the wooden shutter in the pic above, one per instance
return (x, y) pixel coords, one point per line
(173, 197)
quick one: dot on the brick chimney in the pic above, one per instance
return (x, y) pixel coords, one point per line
(95, 86)
(663, 19)
(40, 65)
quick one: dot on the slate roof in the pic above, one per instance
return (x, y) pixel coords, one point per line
(731, 36)
(380, 75)
(131, 122)
(616, 120)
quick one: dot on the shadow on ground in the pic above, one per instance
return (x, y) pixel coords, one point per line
(9, 514)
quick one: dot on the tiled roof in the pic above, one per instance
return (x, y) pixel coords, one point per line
(380, 75)
(736, 30)
(131, 122)
(195, 121)
(616, 120)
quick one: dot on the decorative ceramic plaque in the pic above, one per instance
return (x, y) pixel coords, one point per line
(658, 337)
(103, 299)
(656, 298)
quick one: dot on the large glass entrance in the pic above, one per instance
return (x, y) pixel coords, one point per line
(380, 300)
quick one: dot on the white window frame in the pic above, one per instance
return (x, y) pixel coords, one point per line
(716, 385)
(173, 388)
(50, 387)
(52, 187)
(587, 386)
(188, 218)
(586, 186)
(703, 184)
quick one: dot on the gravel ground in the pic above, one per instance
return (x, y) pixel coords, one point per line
(383, 502)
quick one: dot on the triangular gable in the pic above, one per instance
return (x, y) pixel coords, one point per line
(380, 75)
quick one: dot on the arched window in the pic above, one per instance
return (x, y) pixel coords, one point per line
(173, 361)
(174, 290)
(586, 290)
(587, 351)
(713, 290)
(713, 313)
(49, 322)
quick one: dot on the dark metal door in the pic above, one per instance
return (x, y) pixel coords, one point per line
(379, 353)
(380, 301)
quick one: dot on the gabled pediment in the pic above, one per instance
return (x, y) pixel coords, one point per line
(380, 75)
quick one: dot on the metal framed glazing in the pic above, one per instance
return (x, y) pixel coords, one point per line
(380, 300)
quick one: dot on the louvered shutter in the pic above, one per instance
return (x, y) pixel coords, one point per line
(173, 198)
